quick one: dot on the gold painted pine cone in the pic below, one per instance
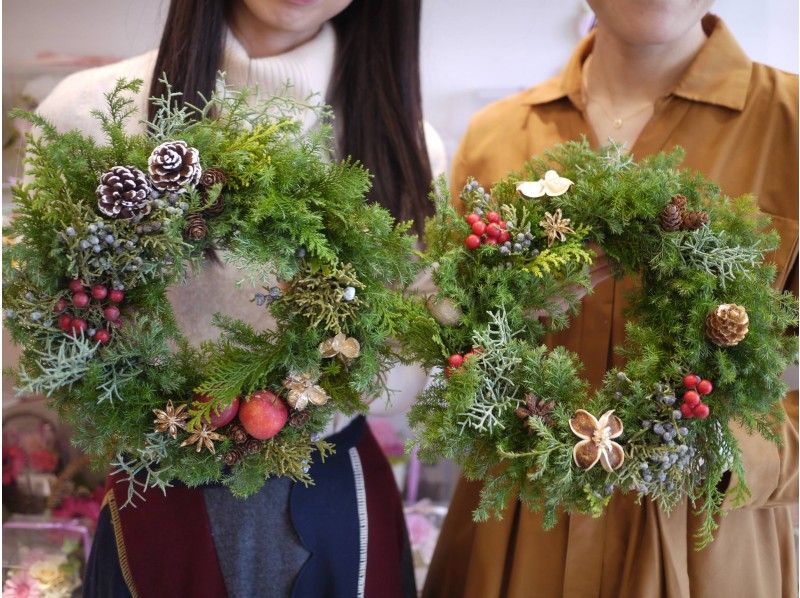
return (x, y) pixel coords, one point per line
(727, 325)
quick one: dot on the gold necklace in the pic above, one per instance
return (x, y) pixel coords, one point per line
(619, 120)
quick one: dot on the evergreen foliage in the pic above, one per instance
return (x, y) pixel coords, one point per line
(682, 276)
(290, 211)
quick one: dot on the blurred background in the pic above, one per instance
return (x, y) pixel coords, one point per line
(473, 52)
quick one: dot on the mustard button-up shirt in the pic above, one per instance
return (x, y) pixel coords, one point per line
(737, 121)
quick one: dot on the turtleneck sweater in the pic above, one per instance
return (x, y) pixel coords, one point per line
(300, 73)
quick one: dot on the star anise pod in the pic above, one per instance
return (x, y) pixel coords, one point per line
(203, 437)
(556, 226)
(536, 406)
(170, 419)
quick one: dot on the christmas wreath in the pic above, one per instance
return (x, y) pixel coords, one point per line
(102, 230)
(706, 345)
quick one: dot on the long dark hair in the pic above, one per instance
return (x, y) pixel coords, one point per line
(374, 90)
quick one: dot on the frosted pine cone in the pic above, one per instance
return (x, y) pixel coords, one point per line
(727, 325)
(671, 218)
(123, 193)
(173, 165)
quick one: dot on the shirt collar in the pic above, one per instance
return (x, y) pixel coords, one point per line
(719, 74)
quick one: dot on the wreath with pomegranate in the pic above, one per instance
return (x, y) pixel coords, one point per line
(707, 340)
(102, 230)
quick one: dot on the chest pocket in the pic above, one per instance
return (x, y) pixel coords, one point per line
(786, 254)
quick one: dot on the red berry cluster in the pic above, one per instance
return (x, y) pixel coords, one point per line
(75, 323)
(693, 406)
(490, 231)
(456, 360)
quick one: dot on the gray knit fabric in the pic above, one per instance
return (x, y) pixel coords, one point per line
(258, 549)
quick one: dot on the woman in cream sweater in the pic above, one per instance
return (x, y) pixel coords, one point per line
(345, 536)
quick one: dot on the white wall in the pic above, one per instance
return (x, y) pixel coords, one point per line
(473, 50)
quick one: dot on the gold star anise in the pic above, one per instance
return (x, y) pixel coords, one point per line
(536, 406)
(203, 437)
(556, 226)
(170, 419)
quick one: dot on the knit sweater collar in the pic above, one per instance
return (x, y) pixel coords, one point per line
(307, 68)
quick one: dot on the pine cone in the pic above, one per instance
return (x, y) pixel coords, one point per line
(671, 218)
(298, 419)
(237, 434)
(216, 208)
(232, 457)
(727, 325)
(173, 165)
(196, 229)
(694, 220)
(212, 176)
(253, 446)
(679, 201)
(123, 193)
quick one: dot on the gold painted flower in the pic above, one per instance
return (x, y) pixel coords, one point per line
(341, 344)
(303, 390)
(551, 185)
(556, 226)
(597, 440)
(170, 419)
(203, 437)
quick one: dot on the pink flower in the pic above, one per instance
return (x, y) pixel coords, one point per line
(21, 585)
